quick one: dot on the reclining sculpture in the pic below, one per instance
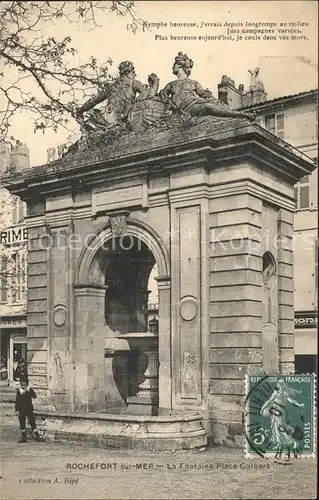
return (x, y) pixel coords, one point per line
(133, 106)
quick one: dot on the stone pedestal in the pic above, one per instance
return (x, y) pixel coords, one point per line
(144, 347)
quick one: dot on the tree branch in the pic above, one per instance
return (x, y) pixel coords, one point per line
(47, 60)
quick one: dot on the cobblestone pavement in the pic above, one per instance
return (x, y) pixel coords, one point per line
(41, 471)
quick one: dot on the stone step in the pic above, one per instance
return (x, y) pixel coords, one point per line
(7, 394)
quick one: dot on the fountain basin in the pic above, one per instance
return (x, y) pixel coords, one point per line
(155, 433)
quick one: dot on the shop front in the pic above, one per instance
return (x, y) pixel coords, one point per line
(306, 341)
(13, 349)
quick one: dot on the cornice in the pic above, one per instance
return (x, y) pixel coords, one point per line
(226, 189)
(200, 147)
(35, 220)
(181, 194)
(62, 216)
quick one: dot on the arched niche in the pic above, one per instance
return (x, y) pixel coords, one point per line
(102, 312)
(269, 269)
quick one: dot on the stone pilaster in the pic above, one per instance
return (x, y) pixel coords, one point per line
(164, 342)
(189, 306)
(60, 313)
(89, 350)
(285, 291)
(37, 319)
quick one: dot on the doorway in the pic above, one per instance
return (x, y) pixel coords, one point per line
(18, 357)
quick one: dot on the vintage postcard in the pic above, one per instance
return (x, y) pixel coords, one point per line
(158, 249)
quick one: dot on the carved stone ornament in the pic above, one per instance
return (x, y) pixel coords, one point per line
(131, 106)
(118, 225)
(188, 309)
(121, 95)
(59, 315)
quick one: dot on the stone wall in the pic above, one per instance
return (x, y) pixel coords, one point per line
(235, 307)
(251, 315)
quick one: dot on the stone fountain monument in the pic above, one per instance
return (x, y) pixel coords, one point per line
(176, 178)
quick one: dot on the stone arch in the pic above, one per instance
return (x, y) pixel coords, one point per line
(90, 266)
(119, 364)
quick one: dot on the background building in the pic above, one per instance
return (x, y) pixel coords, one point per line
(293, 118)
(13, 267)
(152, 305)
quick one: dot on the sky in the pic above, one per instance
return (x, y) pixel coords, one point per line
(286, 66)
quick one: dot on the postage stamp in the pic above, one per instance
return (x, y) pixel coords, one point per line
(279, 416)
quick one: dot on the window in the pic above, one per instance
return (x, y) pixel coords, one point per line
(18, 283)
(22, 211)
(275, 123)
(302, 193)
(18, 210)
(270, 123)
(306, 363)
(13, 277)
(14, 210)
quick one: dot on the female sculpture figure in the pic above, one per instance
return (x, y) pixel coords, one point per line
(188, 96)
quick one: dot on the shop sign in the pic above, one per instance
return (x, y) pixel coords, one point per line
(40, 382)
(13, 236)
(13, 323)
(34, 369)
(306, 319)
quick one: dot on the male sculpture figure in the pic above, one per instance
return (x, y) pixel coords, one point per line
(120, 96)
(188, 96)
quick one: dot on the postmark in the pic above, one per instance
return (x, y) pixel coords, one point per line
(279, 416)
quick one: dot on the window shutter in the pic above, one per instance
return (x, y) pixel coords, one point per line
(21, 210)
(23, 275)
(4, 279)
(304, 197)
(296, 197)
(13, 281)
(19, 275)
(15, 210)
(280, 125)
(316, 265)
